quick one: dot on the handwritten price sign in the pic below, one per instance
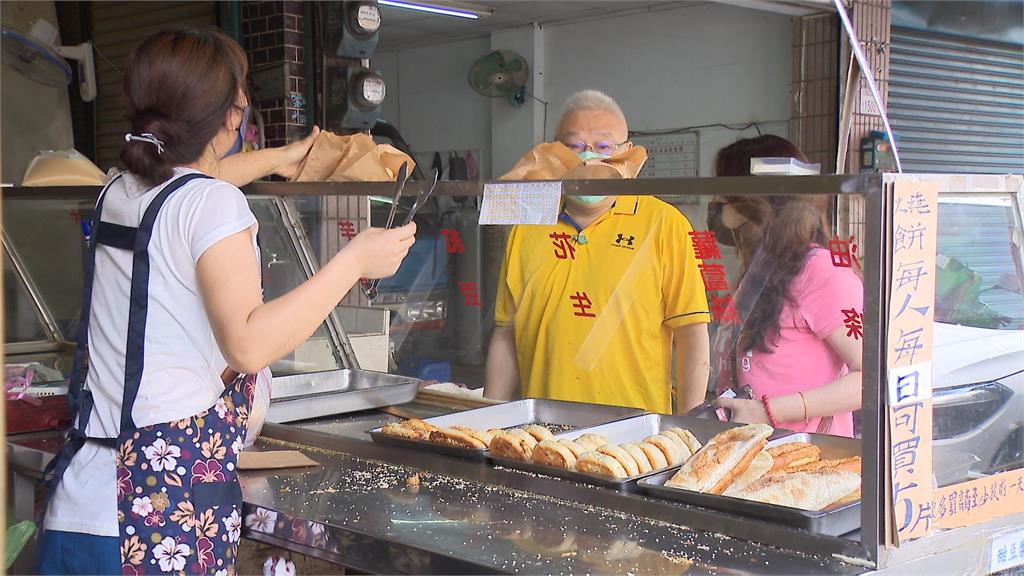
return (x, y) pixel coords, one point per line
(909, 381)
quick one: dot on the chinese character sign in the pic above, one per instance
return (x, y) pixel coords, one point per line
(978, 500)
(914, 513)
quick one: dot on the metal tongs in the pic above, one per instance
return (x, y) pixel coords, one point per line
(421, 200)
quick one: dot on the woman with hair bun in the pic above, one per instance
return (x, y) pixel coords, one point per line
(792, 349)
(175, 325)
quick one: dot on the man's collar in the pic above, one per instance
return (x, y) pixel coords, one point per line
(628, 205)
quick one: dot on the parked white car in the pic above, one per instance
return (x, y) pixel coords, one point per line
(978, 365)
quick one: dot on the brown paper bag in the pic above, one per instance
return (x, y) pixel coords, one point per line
(554, 161)
(546, 161)
(353, 158)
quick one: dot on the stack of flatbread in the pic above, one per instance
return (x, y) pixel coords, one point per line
(593, 454)
(736, 463)
(505, 442)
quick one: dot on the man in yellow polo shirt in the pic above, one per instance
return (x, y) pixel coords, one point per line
(594, 308)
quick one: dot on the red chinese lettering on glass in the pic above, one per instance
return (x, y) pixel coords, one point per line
(714, 277)
(844, 252)
(723, 311)
(453, 241)
(346, 229)
(582, 304)
(563, 245)
(854, 323)
(470, 294)
(705, 245)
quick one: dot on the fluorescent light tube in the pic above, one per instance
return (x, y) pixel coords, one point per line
(444, 10)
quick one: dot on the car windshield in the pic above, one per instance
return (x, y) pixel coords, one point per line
(979, 277)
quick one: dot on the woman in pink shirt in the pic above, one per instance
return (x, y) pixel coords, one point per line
(793, 349)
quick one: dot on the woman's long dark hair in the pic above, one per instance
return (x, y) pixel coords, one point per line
(178, 86)
(783, 228)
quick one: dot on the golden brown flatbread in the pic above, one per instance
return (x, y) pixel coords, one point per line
(591, 441)
(714, 467)
(804, 490)
(551, 453)
(628, 464)
(455, 437)
(654, 455)
(759, 466)
(573, 447)
(514, 444)
(793, 454)
(596, 463)
(669, 447)
(539, 432)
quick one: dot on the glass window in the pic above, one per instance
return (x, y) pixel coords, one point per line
(22, 322)
(978, 379)
(47, 233)
(283, 271)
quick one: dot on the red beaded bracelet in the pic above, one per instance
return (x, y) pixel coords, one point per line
(768, 410)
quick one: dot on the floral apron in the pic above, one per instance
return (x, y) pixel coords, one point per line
(179, 503)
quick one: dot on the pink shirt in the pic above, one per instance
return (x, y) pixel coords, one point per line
(802, 359)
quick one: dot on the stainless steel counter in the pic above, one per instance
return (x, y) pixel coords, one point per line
(360, 509)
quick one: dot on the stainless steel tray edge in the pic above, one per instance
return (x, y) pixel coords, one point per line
(381, 390)
(628, 484)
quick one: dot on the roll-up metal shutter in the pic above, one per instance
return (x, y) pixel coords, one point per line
(117, 28)
(956, 104)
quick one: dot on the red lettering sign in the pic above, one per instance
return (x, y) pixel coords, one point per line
(714, 277)
(854, 323)
(723, 311)
(470, 294)
(705, 245)
(453, 241)
(346, 229)
(844, 252)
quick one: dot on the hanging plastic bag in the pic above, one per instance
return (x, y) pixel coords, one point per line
(260, 406)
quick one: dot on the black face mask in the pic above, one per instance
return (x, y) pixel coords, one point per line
(724, 235)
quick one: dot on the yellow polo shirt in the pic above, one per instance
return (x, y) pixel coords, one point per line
(593, 321)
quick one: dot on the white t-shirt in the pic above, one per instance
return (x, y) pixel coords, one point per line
(181, 374)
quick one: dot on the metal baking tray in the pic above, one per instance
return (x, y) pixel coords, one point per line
(304, 396)
(621, 432)
(833, 521)
(512, 415)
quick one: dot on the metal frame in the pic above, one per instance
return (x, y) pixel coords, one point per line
(50, 326)
(941, 547)
(300, 240)
(867, 185)
(877, 222)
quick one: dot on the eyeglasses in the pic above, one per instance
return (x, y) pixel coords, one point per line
(606, 147)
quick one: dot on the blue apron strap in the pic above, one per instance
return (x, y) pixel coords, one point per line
(80, 400)
(139, 302)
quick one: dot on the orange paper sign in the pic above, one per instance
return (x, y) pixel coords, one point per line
(970, 503)
(908, 378)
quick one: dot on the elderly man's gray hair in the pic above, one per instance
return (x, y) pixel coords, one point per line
(589, 100)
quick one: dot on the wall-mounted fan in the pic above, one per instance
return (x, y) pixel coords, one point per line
(500, 73)
(38, 56)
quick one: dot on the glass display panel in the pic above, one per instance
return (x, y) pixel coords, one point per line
(22, 322)
(49, 237)
(282, 272)
(978, 371)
